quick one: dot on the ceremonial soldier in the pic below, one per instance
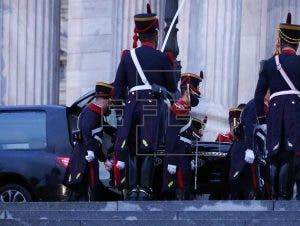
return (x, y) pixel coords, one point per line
(82, 174)
(241, 175)
(281, 74)
(143, 77)
(181, 130)
(228, 137)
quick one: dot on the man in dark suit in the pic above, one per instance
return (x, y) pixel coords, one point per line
(281, 74)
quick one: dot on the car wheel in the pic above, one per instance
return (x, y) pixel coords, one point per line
(14, 193)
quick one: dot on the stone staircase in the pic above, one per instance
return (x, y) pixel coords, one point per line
(152, 213)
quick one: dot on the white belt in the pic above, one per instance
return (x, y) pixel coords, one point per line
(186, 140)
(97, 130)
(285, 92)
(141, 87)
(185, 127)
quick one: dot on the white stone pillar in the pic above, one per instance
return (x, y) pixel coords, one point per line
(252, 46)
(2, 82)
(123, 31)
(257, 43)
(90, 36)
(97, 33)
(30, 48)
(277, 12)
(212, 44)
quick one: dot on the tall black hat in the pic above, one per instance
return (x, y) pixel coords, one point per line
(145, 23)
(103, 90)
(193, 80)
(235, 116)
(289, 32)
(198, 126)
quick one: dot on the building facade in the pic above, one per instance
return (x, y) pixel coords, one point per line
(224, 38)
(29, 51)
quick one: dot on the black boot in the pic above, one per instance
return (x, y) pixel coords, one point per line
(145, 194)
(133, 195)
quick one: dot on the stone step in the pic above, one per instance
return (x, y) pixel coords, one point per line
(271, 213)
(149, 215)
(210, 222)
(154, 206)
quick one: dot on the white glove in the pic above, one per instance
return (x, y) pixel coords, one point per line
(90, 156)
(193, 164)
(249, 156)
(108, 164)
(120, 165)
(172, 169)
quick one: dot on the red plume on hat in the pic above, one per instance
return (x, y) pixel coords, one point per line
(145, 23)
(289, 18)
(135, 36)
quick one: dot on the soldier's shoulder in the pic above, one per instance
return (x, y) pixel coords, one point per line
(124, 53)
(167, 56)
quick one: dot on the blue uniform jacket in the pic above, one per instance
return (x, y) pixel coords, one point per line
(141, 108)
(248, 119)
(284, 111)
(156, 65)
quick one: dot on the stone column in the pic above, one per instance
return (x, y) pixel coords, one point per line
(123, 31)
(98, 31)
(172, 45)
(252, 46)
(90, 44)
(258, 42)
(277, 12)
(212, 44)
(30, 47)
(2, 82)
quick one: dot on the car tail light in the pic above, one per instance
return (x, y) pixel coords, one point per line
(63, 161)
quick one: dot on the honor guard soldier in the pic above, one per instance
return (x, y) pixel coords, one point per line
(179, 136)
(228, 137)
(143, 78)
(241, 177)
(82, 174)
(281, 74)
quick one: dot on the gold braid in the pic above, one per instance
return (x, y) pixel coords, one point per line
(281, 35)
(277, 49)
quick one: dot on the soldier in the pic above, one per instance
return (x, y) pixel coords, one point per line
(281, 74)
(241, 158)
(228, 137)
(82, 173)
(179, 136)
(143, 77)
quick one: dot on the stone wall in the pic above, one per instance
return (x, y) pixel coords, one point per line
(227, 39)
(2, 82)
(29, 51)
(209, 40)
(97, 33)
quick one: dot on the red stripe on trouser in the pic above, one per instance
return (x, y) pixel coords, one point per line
(253, 174)
(180, 179)
(116, 171)
(92, 174)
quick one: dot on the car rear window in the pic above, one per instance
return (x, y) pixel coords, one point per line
(24, 130)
